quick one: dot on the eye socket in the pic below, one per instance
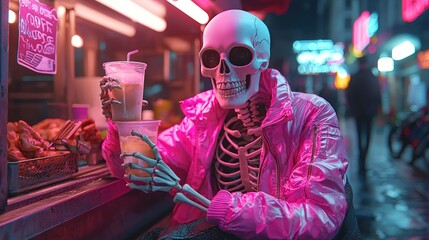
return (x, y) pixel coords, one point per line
(210, 58)
(240, 56)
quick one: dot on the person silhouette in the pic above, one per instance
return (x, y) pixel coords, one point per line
(364, 101)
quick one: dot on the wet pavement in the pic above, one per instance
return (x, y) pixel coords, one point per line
(392, 198)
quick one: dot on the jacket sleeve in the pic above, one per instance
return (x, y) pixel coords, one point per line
(313, 202)
(111, 151)
(176, 147)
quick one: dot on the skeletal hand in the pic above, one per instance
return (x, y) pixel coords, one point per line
(108, 84)
(161, 178)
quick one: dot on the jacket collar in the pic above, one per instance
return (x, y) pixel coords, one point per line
(272, 86)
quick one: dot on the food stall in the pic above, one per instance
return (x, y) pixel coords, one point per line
(53, 177)
(54, 182)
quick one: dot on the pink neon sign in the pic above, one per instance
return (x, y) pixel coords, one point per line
(361, 37)
(411, 9)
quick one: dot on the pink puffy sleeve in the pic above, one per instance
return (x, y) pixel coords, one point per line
(111, 151)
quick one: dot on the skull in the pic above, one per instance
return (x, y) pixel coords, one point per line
(236, 48)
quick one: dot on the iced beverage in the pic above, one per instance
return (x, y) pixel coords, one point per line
(131, 77)
(131, 144)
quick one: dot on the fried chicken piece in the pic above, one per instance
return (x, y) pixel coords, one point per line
(13, 152)
(15, 155)
(12, 135)
(90, 132)
(29, 139)
(49, 128)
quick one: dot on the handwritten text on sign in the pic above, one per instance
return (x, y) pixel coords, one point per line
(37, 36)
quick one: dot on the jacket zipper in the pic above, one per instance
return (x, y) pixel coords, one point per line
(275, 159)
(277, 168)
(313, 150)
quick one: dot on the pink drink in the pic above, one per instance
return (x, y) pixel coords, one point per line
(131, 77)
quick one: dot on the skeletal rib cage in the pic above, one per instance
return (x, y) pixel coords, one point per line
(237, 162)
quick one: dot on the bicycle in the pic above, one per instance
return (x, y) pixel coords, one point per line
(412, 131)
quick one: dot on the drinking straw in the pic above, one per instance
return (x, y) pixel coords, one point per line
(129, 54)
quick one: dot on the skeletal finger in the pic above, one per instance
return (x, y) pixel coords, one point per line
(137, 166)
(108, 80)
(161, 188)
(140, 179)
(180, 197)
(144, 188)
(144, 138)
(165, 168)
(164, 181)
(190, 190)
(164, 175)
(111, 101)
(150, 161)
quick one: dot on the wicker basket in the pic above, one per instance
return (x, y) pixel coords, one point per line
(33, 173)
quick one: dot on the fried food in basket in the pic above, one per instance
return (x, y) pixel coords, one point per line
(90, 132)
(49, 128)
(28, 142)
(14, 154)
(30, 139)
(24, 142)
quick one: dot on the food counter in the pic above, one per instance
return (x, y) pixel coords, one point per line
(59, 187)
(90, 205)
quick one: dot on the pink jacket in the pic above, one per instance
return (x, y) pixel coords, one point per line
(303, 166)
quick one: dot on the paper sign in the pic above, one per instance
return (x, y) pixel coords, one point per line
(37, 36)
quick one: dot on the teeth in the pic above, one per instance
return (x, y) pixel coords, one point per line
(228, 89)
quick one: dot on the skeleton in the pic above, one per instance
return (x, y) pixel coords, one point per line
(239, 148)
(236, 48)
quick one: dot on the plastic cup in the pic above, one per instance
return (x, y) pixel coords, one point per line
(130, 144)
(80, 111)
(131, 77)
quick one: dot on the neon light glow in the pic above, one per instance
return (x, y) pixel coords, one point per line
(153, 6)
(191, 9)
(360, 32)
(412, 9)
(318, 56)
(134, 11)
(12, 16)
(76, 41)
(61, 10)
(342, 79)
(423, 59)
(385, 64)
(305, 45)
(104, 20)
(372, 24)
(403, 50)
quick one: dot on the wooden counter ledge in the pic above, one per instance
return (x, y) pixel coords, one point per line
(91, 205)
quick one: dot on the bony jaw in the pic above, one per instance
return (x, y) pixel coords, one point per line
(230, 88)
(234, 93)
(236, 48)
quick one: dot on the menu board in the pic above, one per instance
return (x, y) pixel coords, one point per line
(37, 36)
